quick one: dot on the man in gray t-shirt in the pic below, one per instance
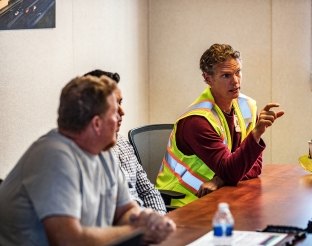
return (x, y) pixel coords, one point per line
(56, 177)
(65, 189)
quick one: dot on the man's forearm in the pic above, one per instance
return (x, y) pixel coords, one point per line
(123, 213)
(64, 230)
(104, 236)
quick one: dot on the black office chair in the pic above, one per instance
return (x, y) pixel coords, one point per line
(149, 143)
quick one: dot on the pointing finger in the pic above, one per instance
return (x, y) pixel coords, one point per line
(279, 114)
(270, 105)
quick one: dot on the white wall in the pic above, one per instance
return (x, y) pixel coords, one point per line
(36, 64)
(274, 37)
(291, 85)
(155, 45)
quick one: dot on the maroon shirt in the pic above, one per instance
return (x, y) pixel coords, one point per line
(195, 135)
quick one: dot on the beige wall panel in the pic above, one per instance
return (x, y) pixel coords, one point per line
(112, 35)
(181, 30)
(159, 76)
(33, 67)
(291, 45)
(36, 64)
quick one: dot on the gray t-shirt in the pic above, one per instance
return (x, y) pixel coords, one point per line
(56, 177)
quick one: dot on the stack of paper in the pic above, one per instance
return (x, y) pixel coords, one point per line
(246, 238)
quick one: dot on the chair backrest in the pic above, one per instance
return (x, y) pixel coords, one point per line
(149, 143)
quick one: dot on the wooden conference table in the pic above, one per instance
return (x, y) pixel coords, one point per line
(282, 195)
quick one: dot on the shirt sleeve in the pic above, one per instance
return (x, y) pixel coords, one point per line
(52, 183)
(147, 191)
(195, 135)
(141, 187)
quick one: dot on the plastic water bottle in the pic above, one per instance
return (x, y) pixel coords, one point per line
(223, 224)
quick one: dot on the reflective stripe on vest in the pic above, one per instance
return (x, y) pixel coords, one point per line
(205, 104)
(183, 173)
(243, 105)
(245, 109)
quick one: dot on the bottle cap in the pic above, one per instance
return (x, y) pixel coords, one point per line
(223, 205)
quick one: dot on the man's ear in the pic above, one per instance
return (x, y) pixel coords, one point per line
(96, 124)
(207, 77)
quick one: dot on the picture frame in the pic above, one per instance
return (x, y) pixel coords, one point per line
(27, 14)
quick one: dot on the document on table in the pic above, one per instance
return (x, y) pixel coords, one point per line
(246, 238)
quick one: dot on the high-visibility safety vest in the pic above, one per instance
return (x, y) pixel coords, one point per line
(186, 173)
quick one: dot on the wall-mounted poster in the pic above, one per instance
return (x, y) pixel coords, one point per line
(27, 14)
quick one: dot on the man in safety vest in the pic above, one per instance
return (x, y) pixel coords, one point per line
(218, 140)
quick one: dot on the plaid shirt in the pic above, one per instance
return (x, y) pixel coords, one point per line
(141, 189)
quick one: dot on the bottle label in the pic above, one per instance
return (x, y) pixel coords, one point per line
(219, 230)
